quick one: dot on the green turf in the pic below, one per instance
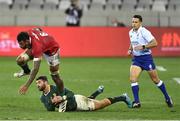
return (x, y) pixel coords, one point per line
(84, 75)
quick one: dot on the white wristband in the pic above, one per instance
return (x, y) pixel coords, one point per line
(64, 97)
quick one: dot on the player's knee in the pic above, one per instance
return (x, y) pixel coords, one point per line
(54, 73)
(155, 78)
(107, 101)
(22, 59)
(103, 103)
(55, 76)
(54, 69)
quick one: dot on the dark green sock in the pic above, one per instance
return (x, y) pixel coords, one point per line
(25, 68)
(117, 99)
(94, 95)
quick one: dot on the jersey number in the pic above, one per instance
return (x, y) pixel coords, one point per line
(41, 34)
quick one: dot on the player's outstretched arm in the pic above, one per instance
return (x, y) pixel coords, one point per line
(36, 64)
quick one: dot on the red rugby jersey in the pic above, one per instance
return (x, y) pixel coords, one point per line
(42, 43)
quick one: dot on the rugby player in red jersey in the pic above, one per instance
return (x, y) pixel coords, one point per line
(36, 44)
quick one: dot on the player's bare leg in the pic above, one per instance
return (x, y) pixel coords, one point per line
(102, 103)
(108, 101)
(135, 72)
(56, 78)
(160, 84)
(22, 62)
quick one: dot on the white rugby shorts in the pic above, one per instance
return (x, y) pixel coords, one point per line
(52, 60)
(84, 103)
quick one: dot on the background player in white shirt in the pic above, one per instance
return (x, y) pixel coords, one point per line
(141, 41)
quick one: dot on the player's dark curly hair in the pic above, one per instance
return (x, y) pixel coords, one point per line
(22, 36)
(44, 78)
(139, 17)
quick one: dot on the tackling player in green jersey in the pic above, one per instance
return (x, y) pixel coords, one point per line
(68, 101)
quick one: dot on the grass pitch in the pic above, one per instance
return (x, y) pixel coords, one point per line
(83, 76)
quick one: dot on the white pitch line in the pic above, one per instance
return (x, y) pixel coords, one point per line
(177, 80)
(161, 68)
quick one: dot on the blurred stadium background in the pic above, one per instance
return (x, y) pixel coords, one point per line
(103, 44)
(159, 13)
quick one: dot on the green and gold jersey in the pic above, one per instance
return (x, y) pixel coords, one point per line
(46, 99)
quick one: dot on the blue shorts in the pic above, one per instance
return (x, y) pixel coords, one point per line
(145, 62)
